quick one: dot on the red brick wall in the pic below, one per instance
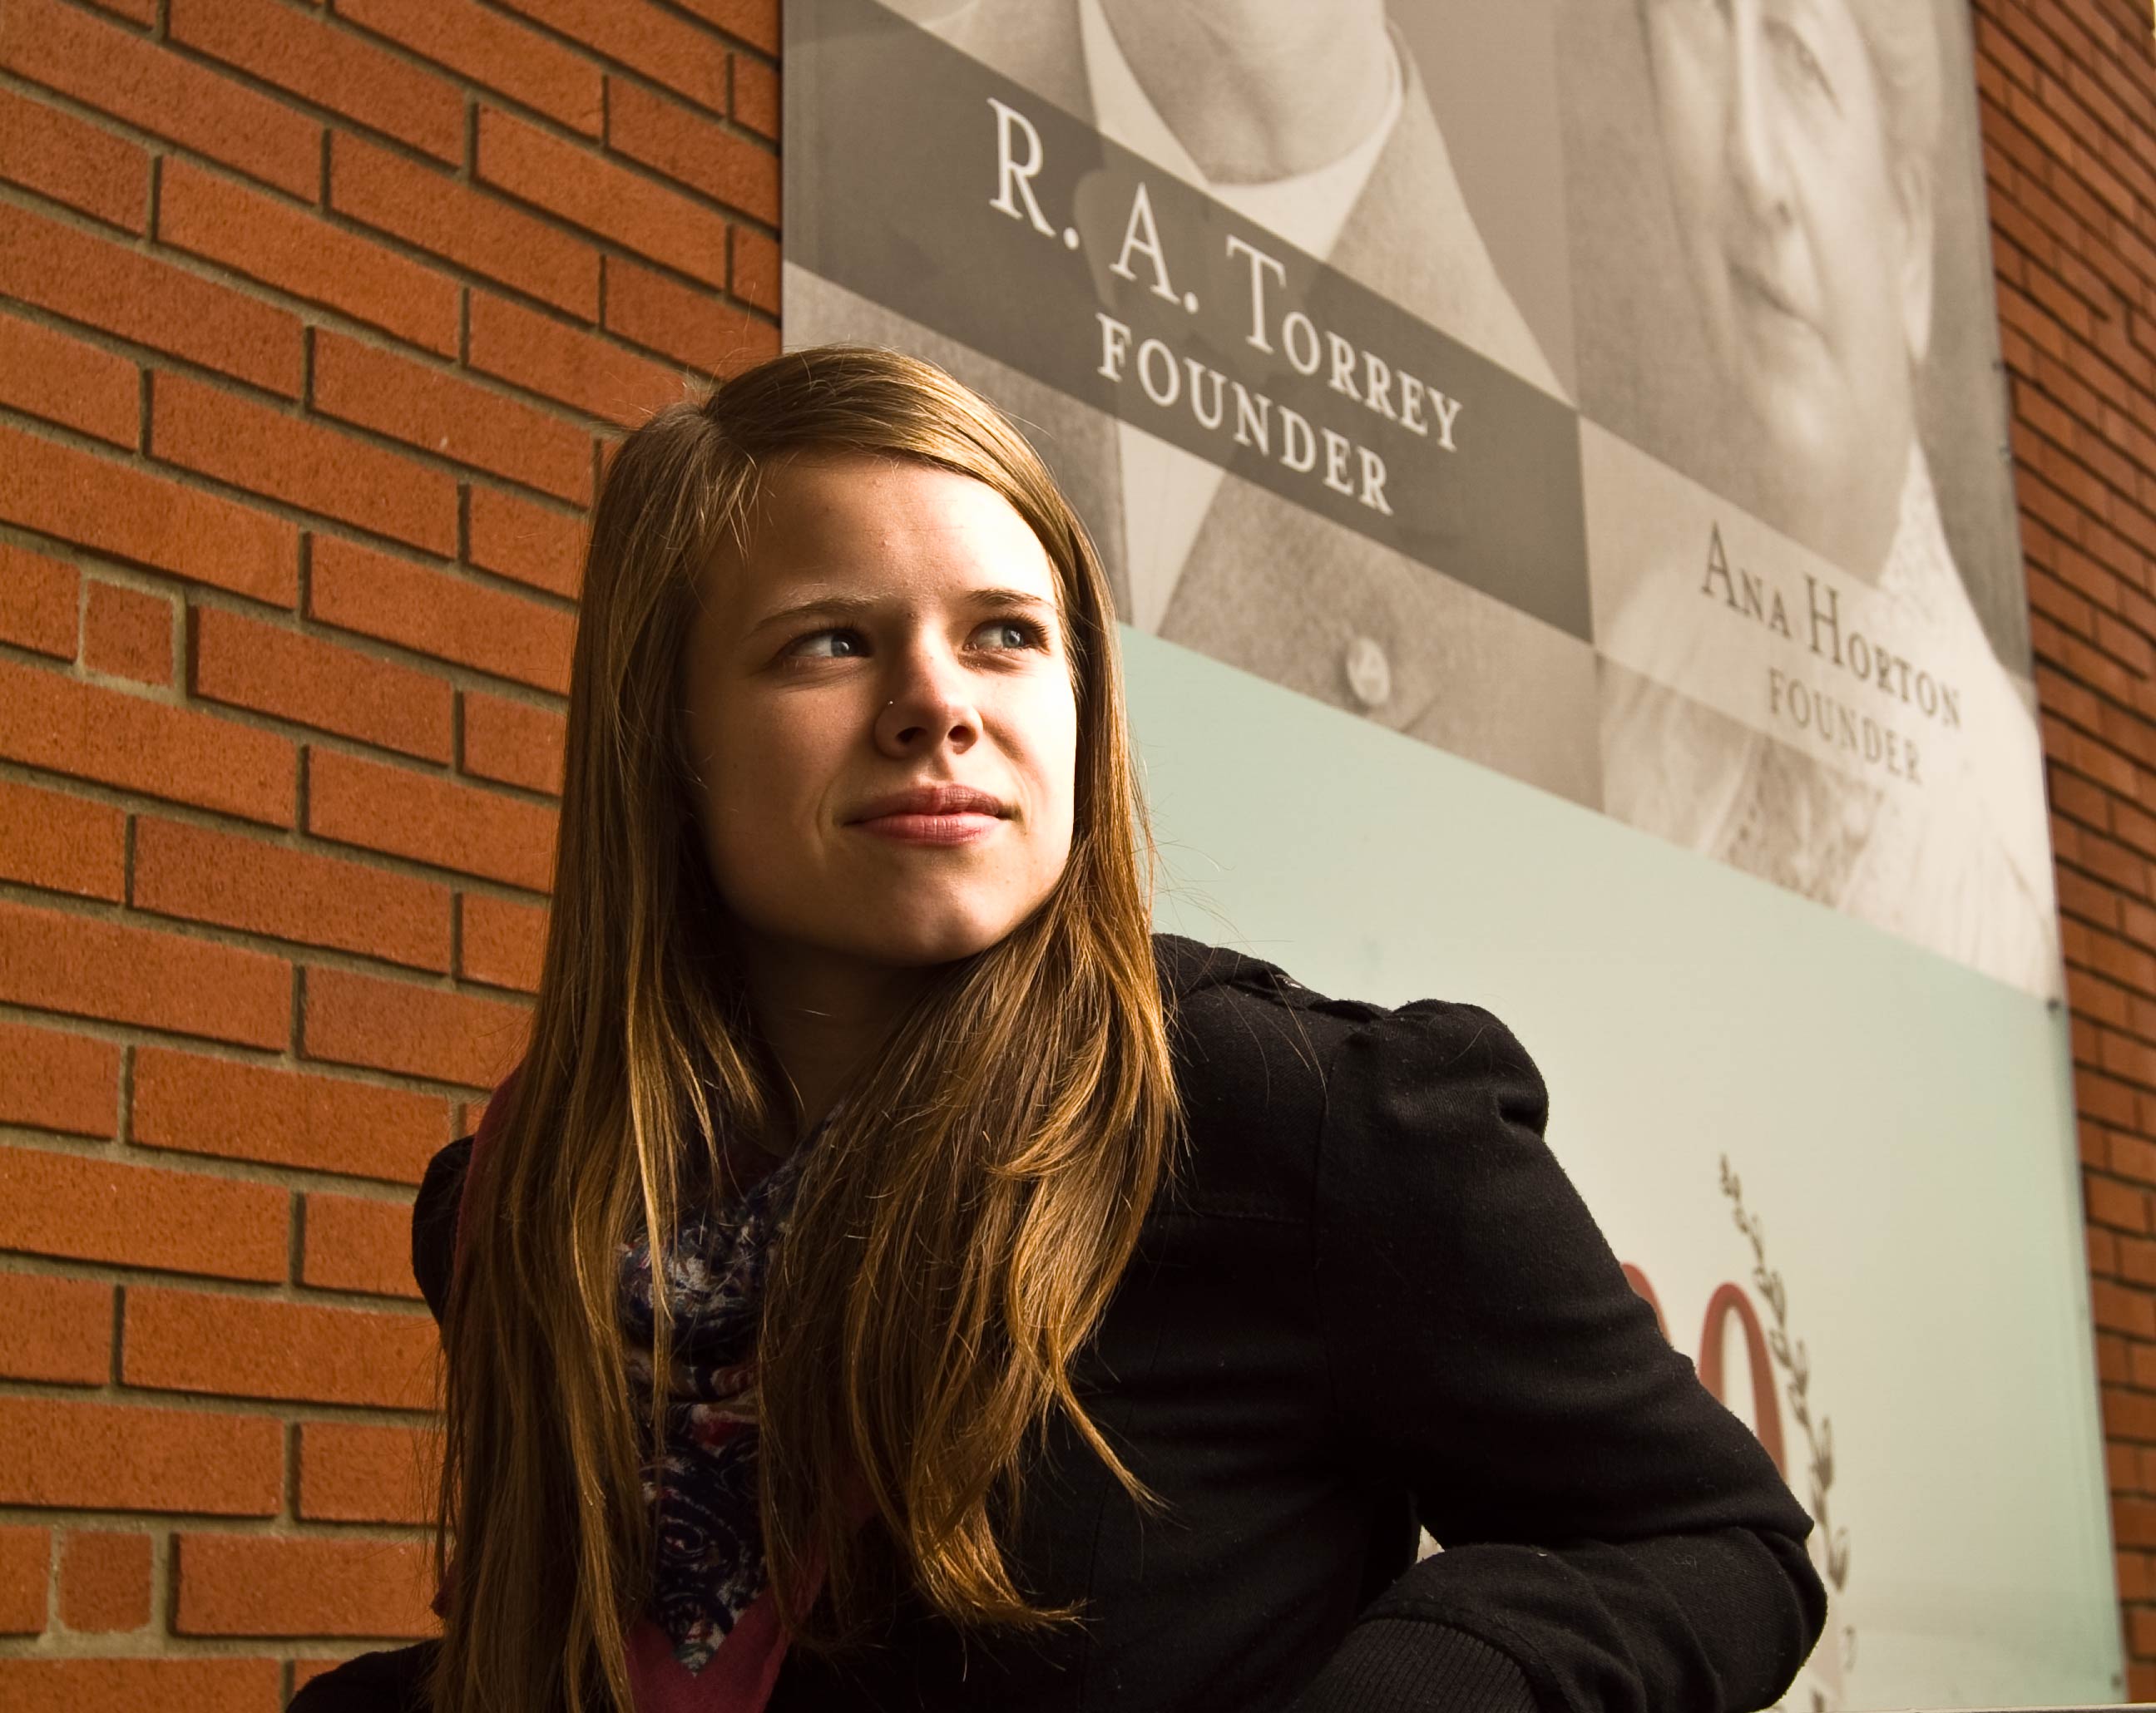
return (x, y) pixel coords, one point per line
(2069, 104)
(313, 321)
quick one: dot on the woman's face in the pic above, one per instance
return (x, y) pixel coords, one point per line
(881, 713)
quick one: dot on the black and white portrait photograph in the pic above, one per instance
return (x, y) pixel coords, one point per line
(1605, 392)
(1801, 533)
(1380, 148)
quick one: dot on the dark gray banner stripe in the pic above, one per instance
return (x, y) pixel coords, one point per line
(958, 199)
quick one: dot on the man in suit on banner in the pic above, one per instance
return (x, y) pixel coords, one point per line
(1313, 123)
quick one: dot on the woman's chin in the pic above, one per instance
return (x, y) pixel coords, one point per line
(924, 945)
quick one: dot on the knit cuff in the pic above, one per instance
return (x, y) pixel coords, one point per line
(1401, 1665)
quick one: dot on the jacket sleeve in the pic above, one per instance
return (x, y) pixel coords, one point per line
(435, 1224)
(1613, 1538)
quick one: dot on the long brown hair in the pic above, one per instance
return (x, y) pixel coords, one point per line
(961, 1224)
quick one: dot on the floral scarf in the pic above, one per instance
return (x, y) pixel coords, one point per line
(710, 1641)
(700, 1481)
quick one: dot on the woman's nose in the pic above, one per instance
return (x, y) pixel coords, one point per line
(1754, 143)
(929, 705)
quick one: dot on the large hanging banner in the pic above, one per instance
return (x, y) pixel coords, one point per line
(1550, 460)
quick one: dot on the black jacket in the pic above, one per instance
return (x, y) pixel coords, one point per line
(1370, 1298)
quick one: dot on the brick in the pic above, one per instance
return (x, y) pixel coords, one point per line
(90, 732)
(123, 1457)
(754, 276)
(449, 416)
(55, 1330)
(296, 250)
(353, 1242)
(329, 67)
(260, 1585)
(518, 538)
(491, 50)
(47, 374)
(2136, 1258)
(104, 1581)
(442, 1035)
(671, 139)
(2117, 1205)
(666, 49)
(691, 326)
(311, 680)
(567, 363)
(92, 1209)
(149, 86)
(25, 1580)
(127, 633)
(430, 819)
(104, 283)
(58, 1081)
(187, 1340)
(207, 875)
(128, 513)
(641, 216)
(503, 943)
(2097, 1000)
(26, 1558)
(2134, 1523)
(514, 743)
(73, 161)
(756, 21)
(217, 1685)
(464, 225)
(283, 1117)
(2120, 1308)
(301, 461)
(61, 843)
(756, 97)
(354, 1473)
(446, 617)
(2079, 800)
(2128, 1414)
(115, 972)
(2123, 963)
(39, 598)
(2131, 1157)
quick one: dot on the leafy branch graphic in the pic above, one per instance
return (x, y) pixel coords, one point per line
(1790, 1356)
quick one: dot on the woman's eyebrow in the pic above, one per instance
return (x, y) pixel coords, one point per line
(846, 607)
(823, 606)
(1008, 597)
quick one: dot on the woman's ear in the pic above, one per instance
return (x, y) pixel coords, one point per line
(1912, 197)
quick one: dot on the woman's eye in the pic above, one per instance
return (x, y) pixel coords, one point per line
(1013, 634)
(828, 645)
(1803, 64)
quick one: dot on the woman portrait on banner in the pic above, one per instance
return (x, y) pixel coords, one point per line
(1803, 151)
(894, 1278)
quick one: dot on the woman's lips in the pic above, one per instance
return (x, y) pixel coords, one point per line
(963, 827)
(941, 814)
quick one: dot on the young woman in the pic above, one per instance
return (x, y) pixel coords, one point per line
(895, 1279)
